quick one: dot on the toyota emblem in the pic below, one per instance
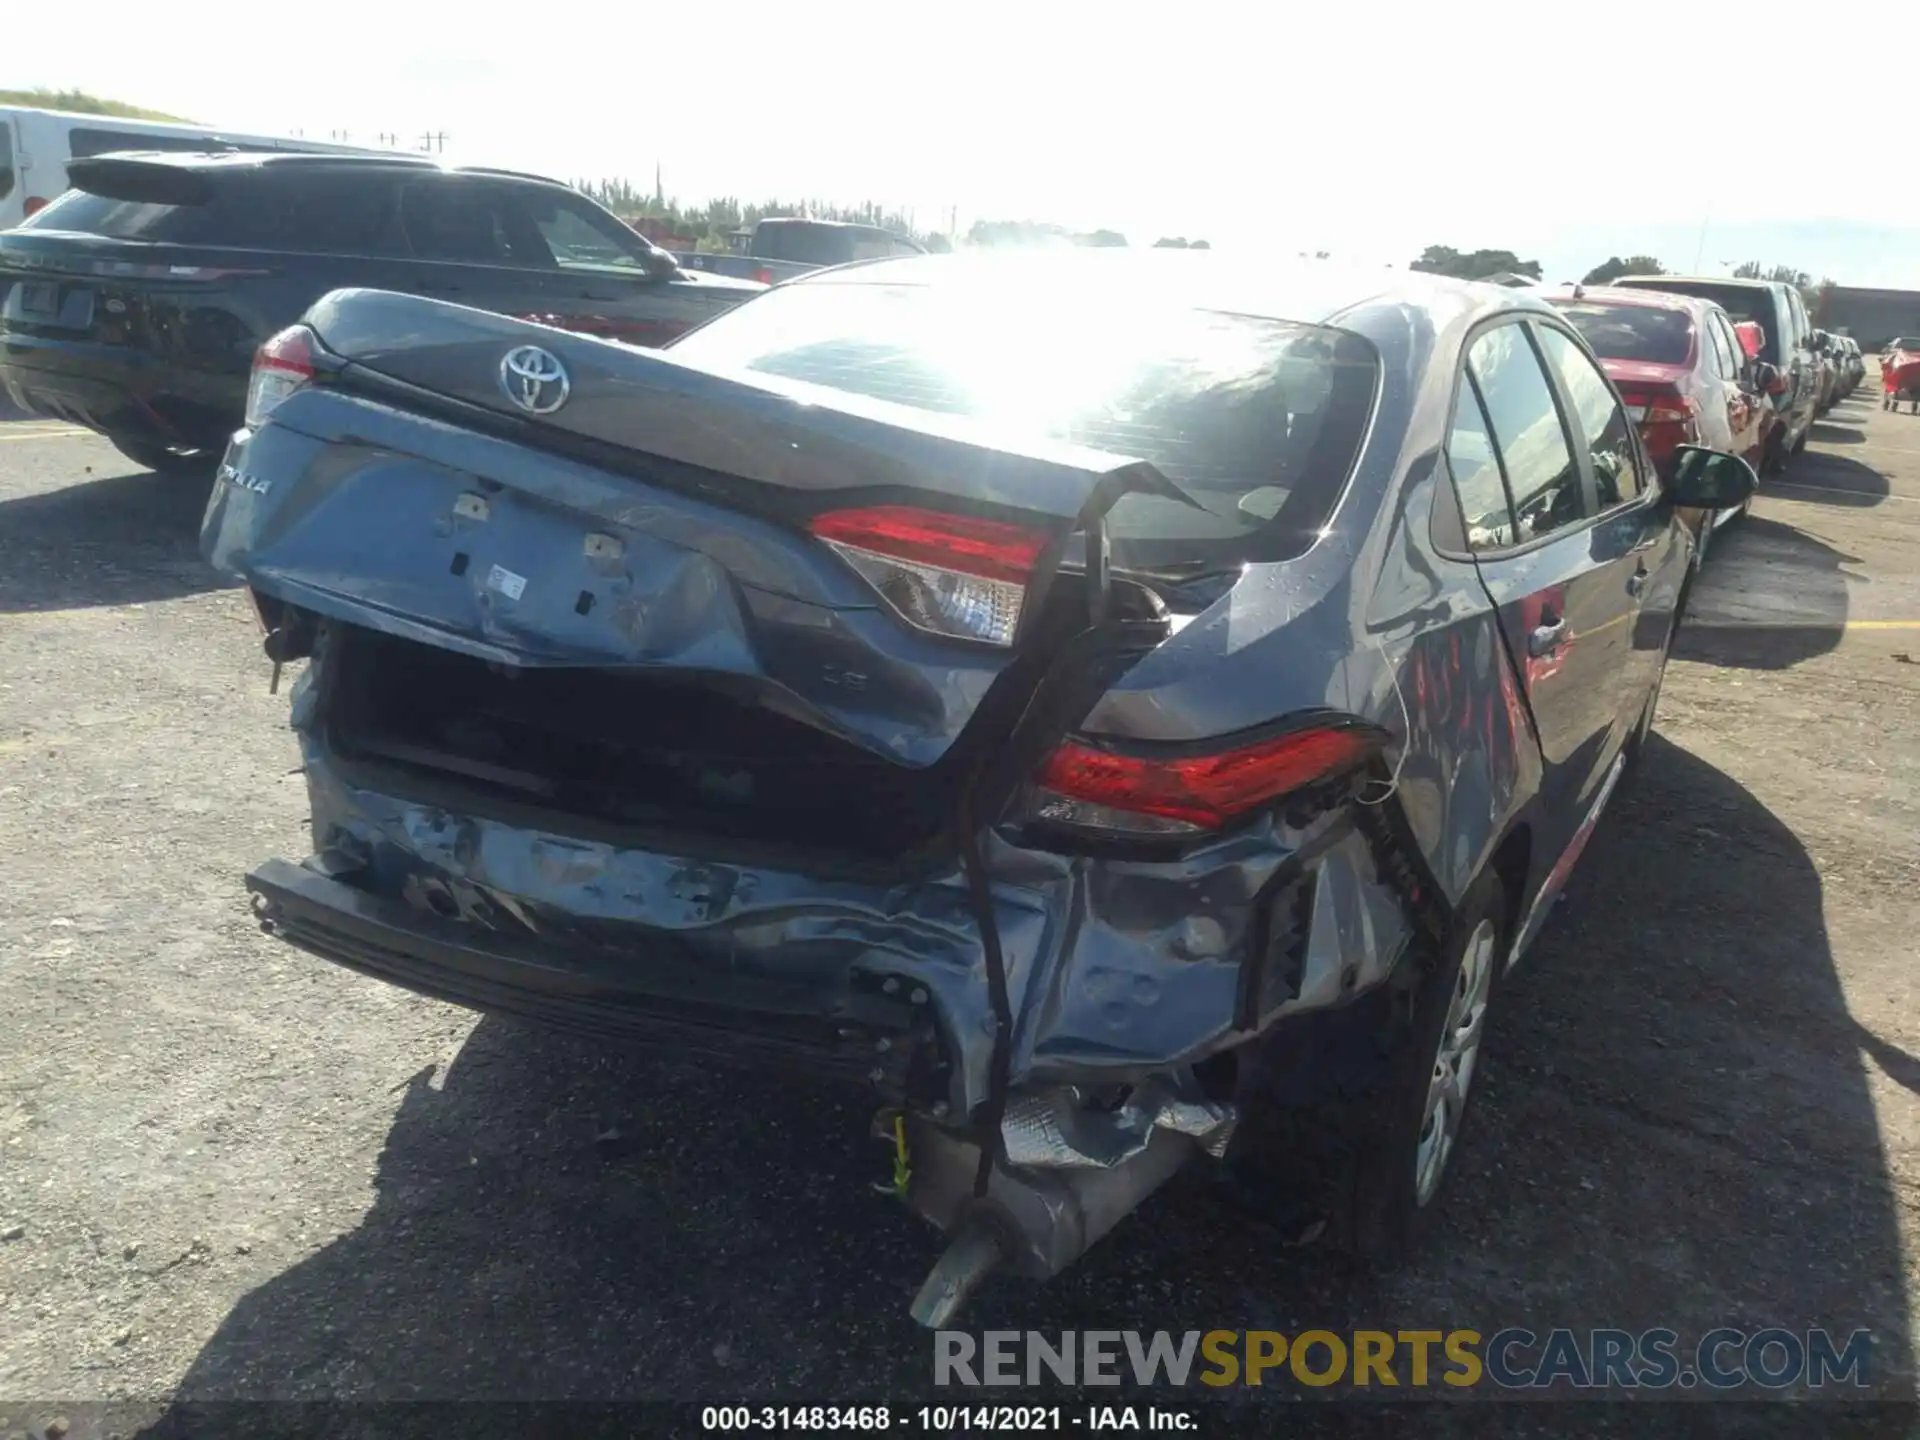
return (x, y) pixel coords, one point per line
(534, 379)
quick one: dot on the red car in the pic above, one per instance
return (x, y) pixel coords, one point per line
(1687, 377)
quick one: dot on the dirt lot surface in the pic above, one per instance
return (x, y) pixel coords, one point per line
(228, 1170)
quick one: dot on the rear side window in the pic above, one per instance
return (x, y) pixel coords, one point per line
(1484, 503)
(1258, 421)
(1651, 333)
(1729, 358)
(1598, 418)
(1541, 474)
(462, 222)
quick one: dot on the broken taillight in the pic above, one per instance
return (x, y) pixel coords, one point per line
(953, 575)
(1106, 791)
(281, 366)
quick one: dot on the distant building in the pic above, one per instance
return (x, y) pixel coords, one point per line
(1871, 317)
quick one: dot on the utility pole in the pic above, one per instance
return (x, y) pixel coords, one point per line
(434, 140)
(389, 139)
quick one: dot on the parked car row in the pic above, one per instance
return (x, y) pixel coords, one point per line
(1127, 710)
(135, 302)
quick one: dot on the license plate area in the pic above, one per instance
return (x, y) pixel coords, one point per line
(49, 304)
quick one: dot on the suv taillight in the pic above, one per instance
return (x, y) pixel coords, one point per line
(281, 366)
(1109, 792)
(953, 575)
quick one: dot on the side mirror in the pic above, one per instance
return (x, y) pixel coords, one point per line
(1710, 479)
(661, 264)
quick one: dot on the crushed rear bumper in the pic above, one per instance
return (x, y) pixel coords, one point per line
(659, 996)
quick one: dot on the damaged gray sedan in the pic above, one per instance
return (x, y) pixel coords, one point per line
(1125, 709)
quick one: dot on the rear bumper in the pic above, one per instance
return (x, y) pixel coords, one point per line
(120, 394)
(633, 995)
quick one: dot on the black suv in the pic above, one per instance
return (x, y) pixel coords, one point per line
(134, 303)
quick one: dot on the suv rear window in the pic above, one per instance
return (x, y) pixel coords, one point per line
(1742, 302)
(1633, 332)
(1259, 421)
(332, 212)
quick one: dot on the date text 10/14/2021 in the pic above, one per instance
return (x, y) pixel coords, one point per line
(949, 1419)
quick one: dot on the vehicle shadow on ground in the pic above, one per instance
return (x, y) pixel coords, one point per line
(1819, 477)
(1675, 1130)
(115, 540)
(1769, 597)
(1829, 433)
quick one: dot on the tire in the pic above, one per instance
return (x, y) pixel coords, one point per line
(1428, 1084)
(1774, 460)
(166, 460)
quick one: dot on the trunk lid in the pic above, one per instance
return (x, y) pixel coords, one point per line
(771, 446)
(1645, 374)
(655, 528)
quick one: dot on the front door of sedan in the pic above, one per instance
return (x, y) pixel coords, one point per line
(1567, 586)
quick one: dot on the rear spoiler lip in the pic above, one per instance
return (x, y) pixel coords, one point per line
(133, 177)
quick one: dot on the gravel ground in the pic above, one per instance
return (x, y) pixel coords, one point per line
(230, 1171)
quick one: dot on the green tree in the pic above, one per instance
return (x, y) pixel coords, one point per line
(1171, 242)
(1475, 265)
(1614, 267)
(79, 102)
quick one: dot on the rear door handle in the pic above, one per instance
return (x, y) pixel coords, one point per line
(1546, 639)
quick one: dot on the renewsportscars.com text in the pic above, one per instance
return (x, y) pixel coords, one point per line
(1514, 1358)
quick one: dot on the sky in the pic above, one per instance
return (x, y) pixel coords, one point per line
(1701, 132)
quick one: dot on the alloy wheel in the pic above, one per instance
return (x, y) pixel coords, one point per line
(1455, 1060)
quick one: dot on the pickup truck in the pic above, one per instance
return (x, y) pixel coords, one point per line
(779, 248)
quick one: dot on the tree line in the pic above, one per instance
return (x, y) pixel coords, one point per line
(1487, 264)
(710, 223)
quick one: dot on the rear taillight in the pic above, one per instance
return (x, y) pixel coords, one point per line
(281, 366)
(950, 574)
(1671, 409)
(34, 205)
(1103, 791)
(764, 277)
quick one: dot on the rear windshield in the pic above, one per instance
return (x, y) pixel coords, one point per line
(822, 244)
(1633, 332)
(1258, 421)
(1742, 302)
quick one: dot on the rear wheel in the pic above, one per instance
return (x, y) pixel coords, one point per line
(1773, 460)
(168, 460)
(1429, 1085)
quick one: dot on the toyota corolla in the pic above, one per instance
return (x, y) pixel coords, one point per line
(1126, 710)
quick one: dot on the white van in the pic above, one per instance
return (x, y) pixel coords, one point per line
(35, 146)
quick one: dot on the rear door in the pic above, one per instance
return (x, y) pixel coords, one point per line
(1560, 584)
(540, 253)
(1746, 406)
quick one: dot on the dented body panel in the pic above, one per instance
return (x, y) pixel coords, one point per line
(659, 535)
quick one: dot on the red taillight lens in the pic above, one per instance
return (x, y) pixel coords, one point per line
(765, 277)
(34, 205)
(1671, 409)
(950, 574)
(1098, 790)
(281, 366)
